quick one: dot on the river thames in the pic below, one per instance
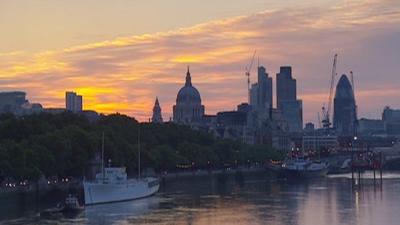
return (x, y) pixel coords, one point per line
(251, 200)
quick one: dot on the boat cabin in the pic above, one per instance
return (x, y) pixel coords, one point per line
(112, 175)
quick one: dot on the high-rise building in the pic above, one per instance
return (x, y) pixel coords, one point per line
(188, 109)
(264, 90)
(157, 117)
(285, 86)
(73, 102)
(345, 113)
(287, 102)
(254, 96)
(78, 103)
(261, 94)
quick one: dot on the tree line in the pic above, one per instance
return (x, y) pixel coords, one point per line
(64, 145)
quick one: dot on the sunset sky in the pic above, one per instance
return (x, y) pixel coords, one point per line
(121, 54)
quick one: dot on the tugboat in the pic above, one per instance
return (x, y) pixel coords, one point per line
(303, 168)
(71, 206)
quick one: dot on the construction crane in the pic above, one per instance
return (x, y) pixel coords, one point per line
(248, 70)
(326, 112)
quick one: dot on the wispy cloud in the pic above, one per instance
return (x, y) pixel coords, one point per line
(127, 73)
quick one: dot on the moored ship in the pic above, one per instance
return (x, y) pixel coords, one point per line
(300, 167)
(112, 186)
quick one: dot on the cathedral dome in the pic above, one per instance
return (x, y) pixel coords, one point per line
(188, 94)
(188, 108)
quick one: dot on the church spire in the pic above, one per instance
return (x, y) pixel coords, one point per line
(157, 117)
(188, 78)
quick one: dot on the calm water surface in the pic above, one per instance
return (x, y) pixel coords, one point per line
(258, 200)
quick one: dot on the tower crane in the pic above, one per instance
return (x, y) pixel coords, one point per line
(248, 70)
(326, 112)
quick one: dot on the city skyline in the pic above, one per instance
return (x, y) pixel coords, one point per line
(125, 73)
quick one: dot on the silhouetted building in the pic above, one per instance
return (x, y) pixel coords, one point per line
(254, 96)
(370, 127)
(157, 117)
(15, 102)
(391, 120)
(73, 102)
(261, 92)
(12, 101)
(286, 86)
(231, 124)
(287, 102)
(244, 107)
(391, 115)
(188, 109)
(345, 116)
(309, 128)
(265, 96)
(319, 141)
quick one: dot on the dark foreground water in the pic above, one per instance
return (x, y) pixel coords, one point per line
(256, 200)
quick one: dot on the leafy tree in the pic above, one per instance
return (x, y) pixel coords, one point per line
(64, 144)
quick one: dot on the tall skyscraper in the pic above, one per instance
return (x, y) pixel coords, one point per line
(73, 102)
(287, 102)
(286, 86)
(157, 117)
(254, 96)
(261, 92)
(264, 90)
(345, 113)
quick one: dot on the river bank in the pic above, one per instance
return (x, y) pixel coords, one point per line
(224, 199)
(29, 200)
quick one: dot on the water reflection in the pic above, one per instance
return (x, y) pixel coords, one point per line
(115, 213)
(229, 200)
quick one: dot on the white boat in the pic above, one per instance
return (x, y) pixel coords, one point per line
(300, 167)
(113, 185)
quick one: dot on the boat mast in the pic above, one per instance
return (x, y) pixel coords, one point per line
(102, 156)
(139, 152)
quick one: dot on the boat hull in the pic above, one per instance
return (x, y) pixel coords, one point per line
(98, 193)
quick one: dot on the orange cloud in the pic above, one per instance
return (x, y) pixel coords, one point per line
(124, 75)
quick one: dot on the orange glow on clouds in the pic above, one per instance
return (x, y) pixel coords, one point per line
(126, 74)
